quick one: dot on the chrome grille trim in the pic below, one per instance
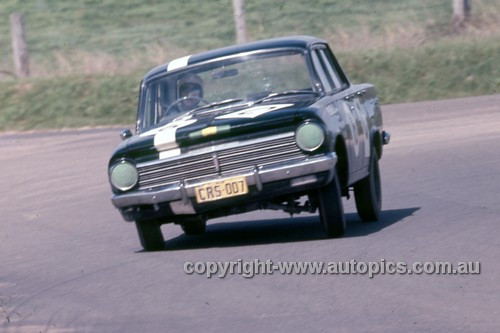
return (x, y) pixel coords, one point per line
(230, 157)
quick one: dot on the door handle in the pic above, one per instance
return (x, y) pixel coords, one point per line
(349, 97)
(361, 92)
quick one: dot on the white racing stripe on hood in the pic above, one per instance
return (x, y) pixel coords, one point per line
(165, 137)
(178, 63)
(170, 153)
(254, 111)
(164, 140)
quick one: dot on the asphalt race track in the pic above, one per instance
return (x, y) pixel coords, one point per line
(69, 263)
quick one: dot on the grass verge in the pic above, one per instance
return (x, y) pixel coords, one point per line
(445, 70)
(400, 75)
(70, 102)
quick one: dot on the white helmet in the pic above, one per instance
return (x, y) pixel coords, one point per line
(189, 82)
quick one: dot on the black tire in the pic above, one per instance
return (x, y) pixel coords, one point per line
(150, 235)
(194, 227)
(368, 193)
(331, 210)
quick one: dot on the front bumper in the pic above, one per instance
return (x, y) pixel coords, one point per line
(181, 194)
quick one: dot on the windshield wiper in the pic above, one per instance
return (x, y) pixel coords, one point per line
(285, 93)
(211, 105)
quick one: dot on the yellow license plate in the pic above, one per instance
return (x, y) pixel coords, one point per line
(221, 189)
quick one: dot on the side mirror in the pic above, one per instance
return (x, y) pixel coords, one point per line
(125, 134)
(386, 137)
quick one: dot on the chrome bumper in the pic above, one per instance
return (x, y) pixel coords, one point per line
(183, 191)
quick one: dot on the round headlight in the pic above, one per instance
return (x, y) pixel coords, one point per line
(309, 136)
(123, 176)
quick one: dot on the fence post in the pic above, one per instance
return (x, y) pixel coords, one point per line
(19, 47)
(240, 20)
(467, 9)
(461, 13)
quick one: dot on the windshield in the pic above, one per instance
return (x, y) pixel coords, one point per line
(225, 83)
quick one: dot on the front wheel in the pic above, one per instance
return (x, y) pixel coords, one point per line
(150, 234)
(331, 211)
(368, 193)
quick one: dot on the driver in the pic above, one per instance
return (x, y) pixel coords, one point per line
(190, 91)
(189, 96)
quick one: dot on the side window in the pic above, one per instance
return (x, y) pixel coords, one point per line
(318, 66)
(330, 70)
(150, 106)
(344, 82)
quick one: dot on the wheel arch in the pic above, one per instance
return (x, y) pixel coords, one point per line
(377, 143)
(342, 166)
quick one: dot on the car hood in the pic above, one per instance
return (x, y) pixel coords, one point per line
(218, 123)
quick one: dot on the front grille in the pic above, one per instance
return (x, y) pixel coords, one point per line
(243, 157)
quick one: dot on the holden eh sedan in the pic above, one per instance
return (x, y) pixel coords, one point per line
(273, 124)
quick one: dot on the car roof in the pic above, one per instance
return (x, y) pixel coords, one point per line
(282, 42)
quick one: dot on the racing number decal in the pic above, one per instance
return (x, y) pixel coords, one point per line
(254, 111)
(361, 114)
(351, 122)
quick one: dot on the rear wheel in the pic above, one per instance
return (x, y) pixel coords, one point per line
(331, 211)
(150, 234)
(194, 227)
(368, 193)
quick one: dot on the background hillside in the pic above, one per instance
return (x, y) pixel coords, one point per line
(88, 57)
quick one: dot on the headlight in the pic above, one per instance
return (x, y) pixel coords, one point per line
(123, 175)
(309, 136)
